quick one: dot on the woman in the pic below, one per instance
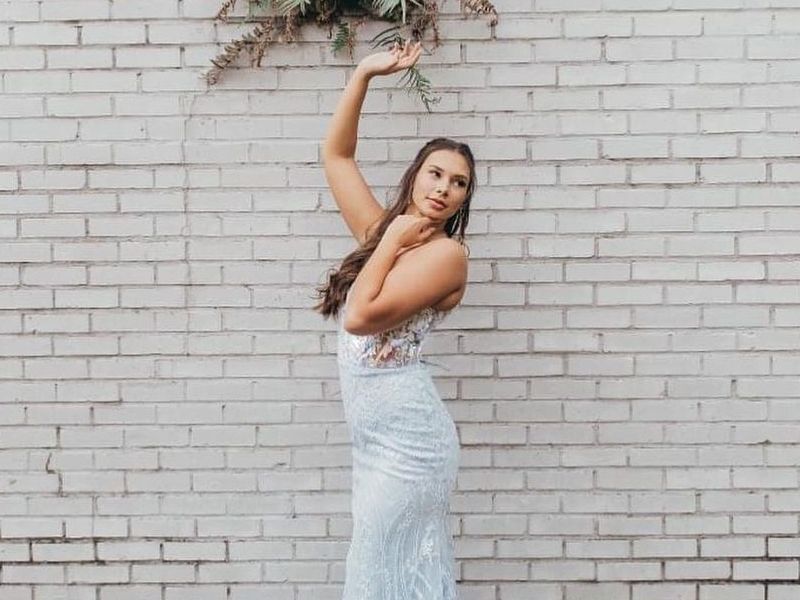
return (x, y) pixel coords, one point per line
(408, 273)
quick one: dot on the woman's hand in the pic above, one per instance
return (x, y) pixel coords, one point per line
(396, 59)
(407, 231)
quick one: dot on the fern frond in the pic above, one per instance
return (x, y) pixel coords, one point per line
(411, 19)
(342, 35)
(385, 7)
(232, 50)
(346, 38)
(290, 25)
(421, 85)
(286, 6)
(259, 40)
(227, 6)
(221, 61)
(481, 7)
(427, 17)
(387, 37)
(327, 13)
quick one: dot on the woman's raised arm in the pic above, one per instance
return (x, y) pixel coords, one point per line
(358, 205)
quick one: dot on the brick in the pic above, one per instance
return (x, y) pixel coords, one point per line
(638, 50)
(495, 570)
(33, 574)
(756, 570)
(605, 26)
(591, 75)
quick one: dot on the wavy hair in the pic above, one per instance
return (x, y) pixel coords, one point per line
(334, 291)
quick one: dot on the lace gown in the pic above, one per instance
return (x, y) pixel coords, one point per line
(405, 459)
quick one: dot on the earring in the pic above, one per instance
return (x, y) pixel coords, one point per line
(457, 220)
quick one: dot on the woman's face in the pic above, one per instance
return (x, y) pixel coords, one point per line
(440, 186)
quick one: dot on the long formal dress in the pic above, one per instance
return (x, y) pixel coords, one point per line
(405, 458)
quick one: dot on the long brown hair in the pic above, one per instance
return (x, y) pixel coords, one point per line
(332, 293)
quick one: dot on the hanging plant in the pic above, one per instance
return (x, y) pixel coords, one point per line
(279, 20)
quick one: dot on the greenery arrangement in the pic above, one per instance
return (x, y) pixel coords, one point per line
(280, 20)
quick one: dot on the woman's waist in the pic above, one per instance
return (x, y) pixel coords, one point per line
(367, 367)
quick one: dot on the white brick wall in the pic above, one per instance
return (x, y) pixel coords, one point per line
(623, 369)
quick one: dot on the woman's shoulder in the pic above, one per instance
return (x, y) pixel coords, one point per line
(456, 252)
(448, 244)
(440, 246)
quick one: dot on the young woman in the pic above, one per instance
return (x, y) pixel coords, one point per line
(408, 273)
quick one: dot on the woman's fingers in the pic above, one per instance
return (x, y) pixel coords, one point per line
(410, 54)
(417, 51)
(407, 47)
(411, 48)
(426, 227)
(404, 54)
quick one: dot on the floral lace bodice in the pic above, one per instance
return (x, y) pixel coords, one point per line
(396, 347)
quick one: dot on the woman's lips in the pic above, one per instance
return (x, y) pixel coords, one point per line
(437, 204)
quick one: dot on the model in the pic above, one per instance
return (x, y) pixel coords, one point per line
(409, 271)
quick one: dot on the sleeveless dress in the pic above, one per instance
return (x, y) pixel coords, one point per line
(405, 458)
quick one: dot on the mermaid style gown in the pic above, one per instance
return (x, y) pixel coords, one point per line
(405, 459)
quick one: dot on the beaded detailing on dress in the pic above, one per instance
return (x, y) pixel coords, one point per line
(396, 347)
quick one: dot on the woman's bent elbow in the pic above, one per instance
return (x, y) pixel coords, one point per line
(354, 326)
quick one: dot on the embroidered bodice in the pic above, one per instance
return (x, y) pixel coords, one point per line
(396, 347)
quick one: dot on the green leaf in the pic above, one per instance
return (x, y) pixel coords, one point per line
(345, 38)
(384, 7)
(420, 84)
(342, 34)
(287, 6)
(386, 37)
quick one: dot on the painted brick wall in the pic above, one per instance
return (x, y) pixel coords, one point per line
(623, 370)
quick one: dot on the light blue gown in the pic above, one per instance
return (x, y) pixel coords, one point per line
(405, 459)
